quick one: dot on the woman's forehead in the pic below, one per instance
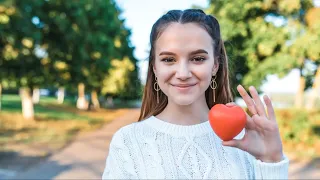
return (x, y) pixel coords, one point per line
(184, 37)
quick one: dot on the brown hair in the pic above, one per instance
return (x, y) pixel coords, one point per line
(210, 24)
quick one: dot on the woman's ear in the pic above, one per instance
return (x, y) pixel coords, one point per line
(215, 68)
(154, 69)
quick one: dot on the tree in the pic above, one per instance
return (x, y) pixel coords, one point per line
(81, 38)
(19, 63)
(84, 49)
(313, 51)
(265, 37)
(249, 38)
(60, 43)
(121, 81)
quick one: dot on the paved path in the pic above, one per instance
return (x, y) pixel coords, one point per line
(305, 170)
(85, 157)
(82, 159)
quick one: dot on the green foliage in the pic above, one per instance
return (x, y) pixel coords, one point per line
(285, 63)
(76, 39)
(257, 45)
(121, 80)
(18, 40)
(299, 130)
(295, 124)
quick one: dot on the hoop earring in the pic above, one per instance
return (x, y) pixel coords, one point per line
(156, 88)
(214, 85)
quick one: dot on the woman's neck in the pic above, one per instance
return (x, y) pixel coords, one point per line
(194, 113)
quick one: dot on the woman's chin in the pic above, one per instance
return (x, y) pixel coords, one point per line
(184, 101)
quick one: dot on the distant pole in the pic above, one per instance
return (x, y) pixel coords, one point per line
(61, 95)
(299, 99)
(81, 102)
(315, 91)
(27, 104)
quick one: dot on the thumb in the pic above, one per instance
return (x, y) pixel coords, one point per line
(230, 104)
(232, 143)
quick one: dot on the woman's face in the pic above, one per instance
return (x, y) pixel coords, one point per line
(184, 62)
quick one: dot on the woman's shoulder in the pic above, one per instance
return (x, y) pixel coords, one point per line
(128, 130)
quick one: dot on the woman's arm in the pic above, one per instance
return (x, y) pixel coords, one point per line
(258, 169)
(267, 170)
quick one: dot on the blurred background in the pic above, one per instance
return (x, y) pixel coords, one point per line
(72, 67)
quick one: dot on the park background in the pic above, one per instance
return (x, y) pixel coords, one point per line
(70, 67)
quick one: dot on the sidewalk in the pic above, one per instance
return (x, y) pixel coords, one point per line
(82, 159)
(305, 170)
(85, 157)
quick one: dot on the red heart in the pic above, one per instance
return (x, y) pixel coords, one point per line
(227, 122)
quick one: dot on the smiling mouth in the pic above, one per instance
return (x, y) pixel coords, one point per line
(183, 86)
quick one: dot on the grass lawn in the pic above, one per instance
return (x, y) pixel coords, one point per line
(54, 126)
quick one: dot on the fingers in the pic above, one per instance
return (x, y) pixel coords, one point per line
(259, 105)
(249, 124)
(247, 99)
(270, 109)
(234, 143)
(230, 104)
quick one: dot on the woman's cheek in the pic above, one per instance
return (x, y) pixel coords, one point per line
(164, 78)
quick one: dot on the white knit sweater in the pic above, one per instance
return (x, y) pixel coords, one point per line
(155, 149)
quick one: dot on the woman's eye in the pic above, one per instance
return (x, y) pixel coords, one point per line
(198, 59)
(167, 60)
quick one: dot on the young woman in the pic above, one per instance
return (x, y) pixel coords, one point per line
(173, 139)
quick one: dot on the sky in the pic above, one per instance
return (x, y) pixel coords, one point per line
(140, 15)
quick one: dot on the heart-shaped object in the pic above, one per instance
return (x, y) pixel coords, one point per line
(227, 122)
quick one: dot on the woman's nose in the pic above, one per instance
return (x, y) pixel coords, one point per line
(183, 71)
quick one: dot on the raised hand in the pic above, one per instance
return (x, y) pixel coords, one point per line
(262, 137)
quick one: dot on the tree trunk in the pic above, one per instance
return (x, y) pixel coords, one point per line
(110, 102)
(315, 90)
(300, 93)
(95, 100)
(0, 96)
(82, 102)
(60, 95)
(27, 104)
(36, 96)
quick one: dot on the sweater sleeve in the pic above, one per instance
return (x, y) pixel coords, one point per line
(119, 162)
(263, 170)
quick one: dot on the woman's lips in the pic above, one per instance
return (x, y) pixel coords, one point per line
(183, 87)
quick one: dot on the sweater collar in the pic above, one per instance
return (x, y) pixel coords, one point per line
(179, 130)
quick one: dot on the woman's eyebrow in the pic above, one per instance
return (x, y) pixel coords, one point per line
(199, 51)
(191, 53)
(166, 53)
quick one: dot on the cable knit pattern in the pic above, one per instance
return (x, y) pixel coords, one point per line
(155, 149)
